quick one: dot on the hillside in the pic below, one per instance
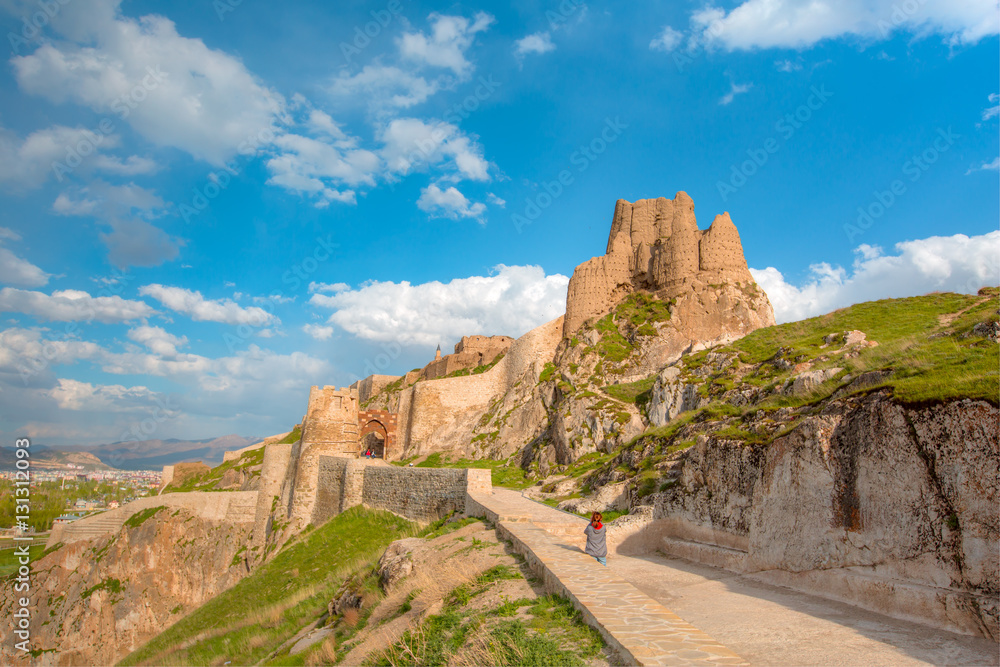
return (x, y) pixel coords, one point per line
(154, 454)
(47, 458)
(335, 595)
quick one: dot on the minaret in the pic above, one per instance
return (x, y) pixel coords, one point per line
(437, 355)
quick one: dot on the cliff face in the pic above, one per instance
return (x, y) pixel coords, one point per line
(655, 245)
(95, 601)
(883, 505)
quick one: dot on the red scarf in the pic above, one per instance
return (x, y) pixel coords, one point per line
(598, 526)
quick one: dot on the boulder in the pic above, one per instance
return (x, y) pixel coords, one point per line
(396, 563)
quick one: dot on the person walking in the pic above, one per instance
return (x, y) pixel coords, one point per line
(597, 544)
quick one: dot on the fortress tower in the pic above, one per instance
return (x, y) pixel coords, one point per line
(655, 245)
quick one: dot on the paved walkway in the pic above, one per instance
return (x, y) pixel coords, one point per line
(642, 630)
(659, 610)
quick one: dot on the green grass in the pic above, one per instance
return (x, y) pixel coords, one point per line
(113, 586)
(9, 562)
(637, 393)
(503, 473)
(926, 366)
(280, 597)
(207, 480)
(294, 436)
(548, 371)
(141, 516)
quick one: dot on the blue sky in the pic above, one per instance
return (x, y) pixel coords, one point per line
(209, 208)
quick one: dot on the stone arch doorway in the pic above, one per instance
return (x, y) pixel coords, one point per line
(373, 438)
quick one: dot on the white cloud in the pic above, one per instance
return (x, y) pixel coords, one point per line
(198, 308)
(324, 287)
(993, 165)
(72, 306)
(803, 23)
(539, 42)
(173, 90)
(445, 47)
(384, 86)
(132, 166)
(449, 203)
(17, 271)
(668, 40)
(788, 66)
(29, 163)
(956, 263)
(734, 90)
(315, 167)
(993, 111)
(411, 142)
(83, 396)
(496, 201)
(513, 301)
(318, 331)
(157, 340)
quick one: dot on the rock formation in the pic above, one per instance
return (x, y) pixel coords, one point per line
(655, 245)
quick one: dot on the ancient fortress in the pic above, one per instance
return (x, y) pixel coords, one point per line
(655, 245)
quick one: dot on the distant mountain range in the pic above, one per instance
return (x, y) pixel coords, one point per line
(142, 455)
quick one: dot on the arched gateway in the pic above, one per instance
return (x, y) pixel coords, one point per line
(377, 432)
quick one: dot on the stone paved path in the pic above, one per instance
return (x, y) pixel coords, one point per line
(642, 630)
(637, 604)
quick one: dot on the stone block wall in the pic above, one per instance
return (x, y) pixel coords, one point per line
(372, 385)
(420, 494)
(272, 475)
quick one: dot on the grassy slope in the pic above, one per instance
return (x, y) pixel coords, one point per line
(246, 622)
(207, 480)
(930, 361)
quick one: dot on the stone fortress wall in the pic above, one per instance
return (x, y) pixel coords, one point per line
(236, 507)
(655, 244)
(470, 352)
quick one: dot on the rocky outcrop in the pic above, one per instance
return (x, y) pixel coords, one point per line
(891, 507)
(655, 245)
(94, 602)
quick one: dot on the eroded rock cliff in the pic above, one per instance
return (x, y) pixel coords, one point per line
(95, 601)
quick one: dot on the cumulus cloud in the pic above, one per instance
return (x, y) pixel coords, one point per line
(83, 396)
(512, 301)
(319, 167)
(157, 340)
(173, 90)
(538, 43)
(447, 43)
(668, 40)
(410, 143)
(72, 306)
(28, 163)
(956, 263)
(318, 331)
(734, 90)
(803, 23)
(15, 270)
(198, 308)
(384, 86)
(449, 203)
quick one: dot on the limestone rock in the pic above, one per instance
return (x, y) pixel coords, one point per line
(671, 396)
(396, 563)
(803, 383)
(608, 497)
